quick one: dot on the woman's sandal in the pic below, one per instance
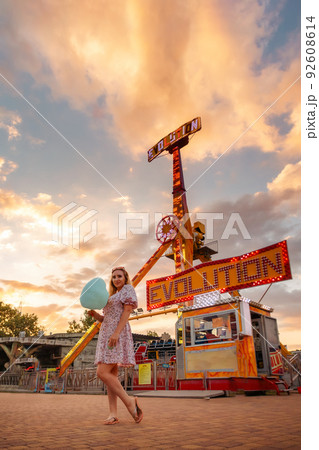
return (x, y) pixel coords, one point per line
(138, 414)
(111, 421)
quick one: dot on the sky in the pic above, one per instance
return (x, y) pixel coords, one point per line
(86, 89)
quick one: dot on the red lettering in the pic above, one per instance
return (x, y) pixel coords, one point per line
(190, 287)
(169, 293)
(153, 294)
(226, 269)
(207, 285)
(176, 283)
(238, 272)
(267, 262)
(258, 270)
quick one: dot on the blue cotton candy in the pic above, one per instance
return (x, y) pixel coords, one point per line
(94, 294)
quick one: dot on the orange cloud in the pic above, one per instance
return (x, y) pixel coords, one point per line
(14, 205)
(289, 178)
(54, 318)
(155, 65)
(14, 285)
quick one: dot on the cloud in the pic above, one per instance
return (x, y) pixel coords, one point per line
(28, 214)
(37, 215)
(6, 167)
(9, 120)
(5, 234)
(53, 317)
(35, 141)
(155, 78)
(14, 205)
(269, 217)
(76, 281)
(289, 178)
(15, 285)
(138, 70)
(281, 122)
(125, 201)
(43, 197)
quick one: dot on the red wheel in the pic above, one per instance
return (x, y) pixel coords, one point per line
(167, 229)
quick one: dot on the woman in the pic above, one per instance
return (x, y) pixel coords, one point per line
(115, 343)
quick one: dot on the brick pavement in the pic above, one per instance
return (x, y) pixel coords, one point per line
(43, 421)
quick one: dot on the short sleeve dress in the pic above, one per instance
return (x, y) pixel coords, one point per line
(123, 353)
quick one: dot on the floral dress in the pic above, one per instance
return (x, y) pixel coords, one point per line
(123, 353)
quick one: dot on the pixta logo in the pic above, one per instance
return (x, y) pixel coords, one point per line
(139, 223)
(70, 225)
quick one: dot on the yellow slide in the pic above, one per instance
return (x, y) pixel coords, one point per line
(284, 351)
(79, 346)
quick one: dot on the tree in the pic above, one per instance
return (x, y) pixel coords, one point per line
(13, 321)
(85, 322)
(151, 333)
(74, 327)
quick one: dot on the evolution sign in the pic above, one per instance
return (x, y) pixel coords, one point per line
(172, 138)
(266, 265)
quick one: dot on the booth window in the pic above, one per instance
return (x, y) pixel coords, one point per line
(187, 331)
(215, 328)
(179, 332)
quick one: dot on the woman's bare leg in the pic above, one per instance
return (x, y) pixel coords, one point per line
(112, 397)
(104, 372)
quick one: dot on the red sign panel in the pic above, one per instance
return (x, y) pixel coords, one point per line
(277, 367)
(263, 266)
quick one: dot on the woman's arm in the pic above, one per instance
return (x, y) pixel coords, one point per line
(123, 321)
(96, 315)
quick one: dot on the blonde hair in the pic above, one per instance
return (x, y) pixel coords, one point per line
(112, 288)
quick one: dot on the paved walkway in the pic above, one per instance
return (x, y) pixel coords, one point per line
(43, 421)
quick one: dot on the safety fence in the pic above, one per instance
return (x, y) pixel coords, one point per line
(149, 376)
(292, 368)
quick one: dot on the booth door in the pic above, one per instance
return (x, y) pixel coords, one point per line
(273, 343)
(261, 346)
(180, 370)
(266, 341)
(272, 333)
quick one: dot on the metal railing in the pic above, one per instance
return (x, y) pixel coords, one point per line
(9, 379)
(83, 380)
(149, 376)
(292, 367)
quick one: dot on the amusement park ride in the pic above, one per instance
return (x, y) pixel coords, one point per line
(222, 337)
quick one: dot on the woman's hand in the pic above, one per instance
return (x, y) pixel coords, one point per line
(113, 340)
(96, 315)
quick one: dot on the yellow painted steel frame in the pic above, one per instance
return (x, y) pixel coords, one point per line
(79, 346)
(183, 244)
(47, 374)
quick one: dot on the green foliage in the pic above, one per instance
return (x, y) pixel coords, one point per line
(74, 327)
(12, 322)
(152, 333)
(85, 322)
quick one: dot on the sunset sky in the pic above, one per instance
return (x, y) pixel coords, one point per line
(88, 87)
